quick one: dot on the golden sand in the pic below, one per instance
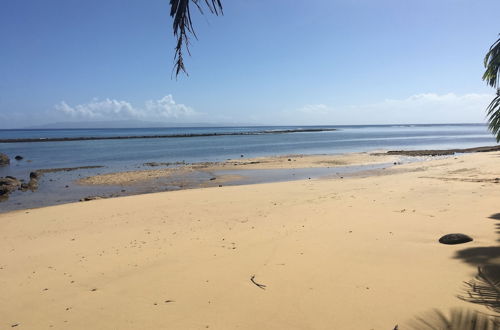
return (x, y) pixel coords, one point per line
(353, 253)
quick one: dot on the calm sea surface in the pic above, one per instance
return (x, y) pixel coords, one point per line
(123, 154)
(131, 154)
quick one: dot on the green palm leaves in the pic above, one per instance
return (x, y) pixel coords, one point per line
(180, 11)
(492, 76)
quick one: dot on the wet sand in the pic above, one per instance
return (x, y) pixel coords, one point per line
(242, 164)
(351, 253)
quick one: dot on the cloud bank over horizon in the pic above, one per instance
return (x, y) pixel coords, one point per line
(110, 109)
(422, 108)
(418, 108)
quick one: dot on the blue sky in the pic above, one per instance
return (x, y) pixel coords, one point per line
(263, 62)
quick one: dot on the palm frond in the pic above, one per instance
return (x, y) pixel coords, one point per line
(180, 11)
(485, 288)
(458, 320)
(492, 64)
(492, 77)
(493, 113)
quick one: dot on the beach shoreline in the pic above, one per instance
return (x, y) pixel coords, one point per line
(354, 253)
(54, 186)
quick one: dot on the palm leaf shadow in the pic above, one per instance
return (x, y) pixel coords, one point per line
(458, 320)
(484, 289)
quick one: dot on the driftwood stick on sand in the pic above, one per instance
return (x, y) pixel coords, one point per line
(262, 286)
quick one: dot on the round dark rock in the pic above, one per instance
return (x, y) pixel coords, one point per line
(4, 159)
(455, 239)
(18, 157)
(34, 175)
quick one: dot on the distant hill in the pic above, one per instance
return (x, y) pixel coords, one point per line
(127, 124)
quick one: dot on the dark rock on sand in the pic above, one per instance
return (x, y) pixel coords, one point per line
(455, 239)
(18, 157)
(4, 159)
(34, 175)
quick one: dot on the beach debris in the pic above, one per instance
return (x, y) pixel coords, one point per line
(213, 178)
(18, 157)
(4, 159)
(259, 285)
(14, 325)
(455, 239)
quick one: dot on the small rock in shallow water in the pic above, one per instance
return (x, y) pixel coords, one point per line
(8, 184)
(455, 239)
(4, 159)
(90, 198)
(18, 157)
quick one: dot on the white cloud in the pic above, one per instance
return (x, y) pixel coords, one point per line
(315, 109)
(418, 108)
(109, 109)
(167, 108)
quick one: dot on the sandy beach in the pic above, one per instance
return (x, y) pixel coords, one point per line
(353, 253)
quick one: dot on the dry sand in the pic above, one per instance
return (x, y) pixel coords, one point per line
(353, 253)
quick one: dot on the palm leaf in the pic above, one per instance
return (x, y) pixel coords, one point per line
(492, 64)
(458, 320)
(493, 113)
(180, 11)
(492, 76)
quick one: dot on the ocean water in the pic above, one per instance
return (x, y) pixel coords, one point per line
(131, 154)
(123, 154)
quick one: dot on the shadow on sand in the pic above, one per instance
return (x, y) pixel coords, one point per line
(484, 255)
(483, 289)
